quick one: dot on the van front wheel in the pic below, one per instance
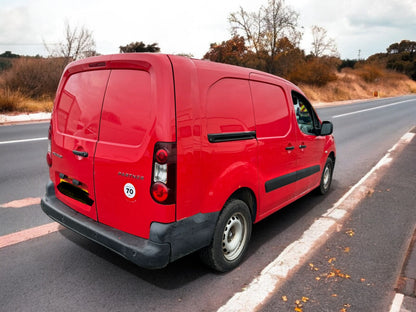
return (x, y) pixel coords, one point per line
(231, 237)
(326, 177)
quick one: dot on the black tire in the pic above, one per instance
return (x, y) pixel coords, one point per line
(326, 178)
(231, 237)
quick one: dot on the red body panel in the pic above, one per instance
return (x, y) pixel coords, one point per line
(274, 134)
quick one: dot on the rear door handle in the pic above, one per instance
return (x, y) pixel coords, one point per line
(289, 148)
(79, 153)
(302, 146)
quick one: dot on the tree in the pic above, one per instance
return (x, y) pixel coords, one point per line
(321, 44)
(400, 57)
(403, 46)
(78, 43)
(232, 51)
(288, 58)
(5, 60)
(139, 47)
(263, 29)
(9, 54)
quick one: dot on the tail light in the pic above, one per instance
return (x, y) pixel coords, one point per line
(49, 153)
(163, 188)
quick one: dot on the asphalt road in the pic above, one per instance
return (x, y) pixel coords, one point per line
(63, 271)
(357, 268)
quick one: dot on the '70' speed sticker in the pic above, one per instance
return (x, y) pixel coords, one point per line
(129, 190)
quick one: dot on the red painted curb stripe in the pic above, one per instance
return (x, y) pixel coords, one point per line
(18, 237)
(22, 202)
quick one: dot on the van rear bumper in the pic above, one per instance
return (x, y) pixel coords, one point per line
(167, 242)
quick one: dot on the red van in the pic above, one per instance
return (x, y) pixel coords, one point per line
(157, 156)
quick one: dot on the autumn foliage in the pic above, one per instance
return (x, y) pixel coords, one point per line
(290, 62)
(268, 40)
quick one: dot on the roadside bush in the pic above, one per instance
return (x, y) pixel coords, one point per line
(369, 72)
(5, 64)
(315, 72)
(34, 77)
(14, 101)
(9, 100)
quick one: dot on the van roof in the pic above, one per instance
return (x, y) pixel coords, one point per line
(135, 61)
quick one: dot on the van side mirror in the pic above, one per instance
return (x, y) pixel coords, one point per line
(326, 128)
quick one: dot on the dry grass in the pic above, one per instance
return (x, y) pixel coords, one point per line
(351, 85)
(12, 101)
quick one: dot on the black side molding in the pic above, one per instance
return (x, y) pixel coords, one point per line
(287, 179)
(231, 136)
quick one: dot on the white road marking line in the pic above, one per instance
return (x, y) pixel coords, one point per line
(370, 109)
(22, 236)
(22, 203)
(23, 141)
(397, 303)
(262, 287)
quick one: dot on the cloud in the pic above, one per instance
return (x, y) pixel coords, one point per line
(183, 26)
(366, 25)
(14, 25)
(383, 14)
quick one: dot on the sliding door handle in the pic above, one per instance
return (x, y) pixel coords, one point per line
(289, 148)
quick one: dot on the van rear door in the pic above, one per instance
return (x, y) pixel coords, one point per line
(138, 111)
(123, 160)
(111, 113)
(76, 128)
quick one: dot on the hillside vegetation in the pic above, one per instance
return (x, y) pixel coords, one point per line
(351, 85)
(28, 84)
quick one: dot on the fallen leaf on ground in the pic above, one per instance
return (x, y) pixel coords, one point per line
(350, 233)
(332, 260)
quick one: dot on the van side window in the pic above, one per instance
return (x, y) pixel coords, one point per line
(271, 109)
(229, 108)
(305, 115)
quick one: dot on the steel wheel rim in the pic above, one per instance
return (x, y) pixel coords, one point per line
(327, 176)
(234, 236)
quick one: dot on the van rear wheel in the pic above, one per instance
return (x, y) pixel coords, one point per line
(326, 177)
(231, 237)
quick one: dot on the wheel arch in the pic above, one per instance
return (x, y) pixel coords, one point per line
(246, 195)
(332, 156)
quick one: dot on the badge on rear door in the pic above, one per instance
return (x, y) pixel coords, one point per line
(129, 190)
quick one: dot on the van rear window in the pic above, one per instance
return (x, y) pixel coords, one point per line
(127, 108)
(80, 103)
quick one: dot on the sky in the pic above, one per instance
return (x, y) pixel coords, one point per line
(360, 28)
